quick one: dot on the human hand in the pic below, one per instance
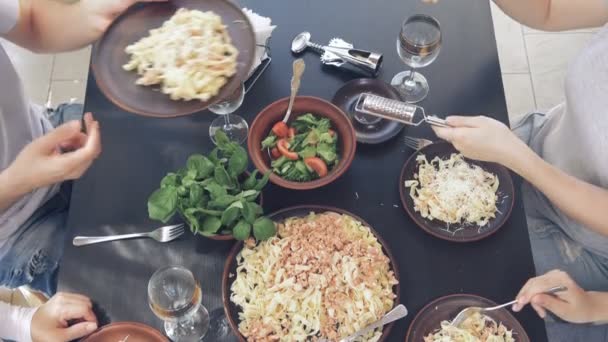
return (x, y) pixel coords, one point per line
(41, 163)
(481, 138)
(101, 13)
(50, 322)
(573, 305)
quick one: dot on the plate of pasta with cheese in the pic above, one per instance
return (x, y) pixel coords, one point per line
(455, 198)
(167, 59)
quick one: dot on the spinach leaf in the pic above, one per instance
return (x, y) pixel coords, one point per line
(312, 138)
(237, 164)
(192, 220)
(196, 195)
(170, 180)
(263, 229)
(162, 204)
(251, 181)
(211, 225)
(308, 118)
(214, 156)
(249, 211)
(269, 142)
(323, 124)
(210, 212)
(241, 231)
(221, 202)
(221, 177)
(326, 138)
(262, 182)
(230, 215)
(201, 164)
(277, 163)
(215, 190)
(221, 139)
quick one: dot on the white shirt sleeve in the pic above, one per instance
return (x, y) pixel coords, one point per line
(16, 322)
(9, 15)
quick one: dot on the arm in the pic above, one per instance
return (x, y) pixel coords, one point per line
(54, 26)
(555, 15)
(483, 138)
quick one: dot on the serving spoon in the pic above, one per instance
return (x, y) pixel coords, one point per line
(298, 70)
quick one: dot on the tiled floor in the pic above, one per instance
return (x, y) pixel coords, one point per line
(533, 65)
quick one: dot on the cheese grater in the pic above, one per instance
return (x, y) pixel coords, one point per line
(395, 110)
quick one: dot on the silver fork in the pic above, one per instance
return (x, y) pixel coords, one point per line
(416, 143)
(396, 313)
(466, 313)
(162, 234)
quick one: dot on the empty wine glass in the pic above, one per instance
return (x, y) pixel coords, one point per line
(175, 297)
(235, 127)
(418, 45)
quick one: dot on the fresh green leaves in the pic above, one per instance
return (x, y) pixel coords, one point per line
(269, 142)
(163, 203)
(264, 229)
(212, 193)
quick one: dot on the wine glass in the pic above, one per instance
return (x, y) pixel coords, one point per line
(175, 297)
(235, 127)
(418, 45)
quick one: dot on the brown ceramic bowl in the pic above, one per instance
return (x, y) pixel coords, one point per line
(136, 332)
(119, 86)
(227, 237)
(506, 197)
(430, 317)
(232, 311)
(261, 126)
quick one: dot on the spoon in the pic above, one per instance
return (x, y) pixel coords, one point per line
(298, 70)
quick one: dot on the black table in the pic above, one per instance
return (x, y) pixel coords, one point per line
(138, 152)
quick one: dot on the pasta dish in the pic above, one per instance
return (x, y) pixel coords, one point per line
(190, 56)
(453, 191)
(324, 276)
(477, 328)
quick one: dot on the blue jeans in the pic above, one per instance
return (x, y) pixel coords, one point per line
(31, 256)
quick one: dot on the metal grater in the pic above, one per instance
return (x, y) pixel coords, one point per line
(395, 110)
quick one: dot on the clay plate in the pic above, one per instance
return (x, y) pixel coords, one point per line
(346, 99)
(506, 196)
(429, 318)
(298, 211)
(261, 126)
(117, 332)
(119, 86)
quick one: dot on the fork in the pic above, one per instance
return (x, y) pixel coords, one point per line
(396, 313)
(162, 234)
(416, 143)
(467, 312)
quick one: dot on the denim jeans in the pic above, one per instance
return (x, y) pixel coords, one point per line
(31, 256)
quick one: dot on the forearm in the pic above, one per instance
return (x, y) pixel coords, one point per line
(555, 15)
(581, 201)
(53, 26)
(11, 189)
(599, 307)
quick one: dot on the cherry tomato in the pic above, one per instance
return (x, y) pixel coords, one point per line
(316, 164)
(292, 132)
(275, 153)
(280, 129)
(283, 146)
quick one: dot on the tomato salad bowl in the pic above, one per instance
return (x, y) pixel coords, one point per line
(324, 170)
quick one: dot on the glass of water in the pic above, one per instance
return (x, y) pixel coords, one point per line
(235, 127)
(418, 45)
(175, 296)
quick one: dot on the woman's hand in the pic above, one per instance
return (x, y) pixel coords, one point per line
(42, 163)
(50, 322)
(573, 305)
(481, 138)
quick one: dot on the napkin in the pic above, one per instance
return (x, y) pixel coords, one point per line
(262, 28)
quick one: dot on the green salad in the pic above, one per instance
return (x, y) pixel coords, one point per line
(305, 151)
(214, 194)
